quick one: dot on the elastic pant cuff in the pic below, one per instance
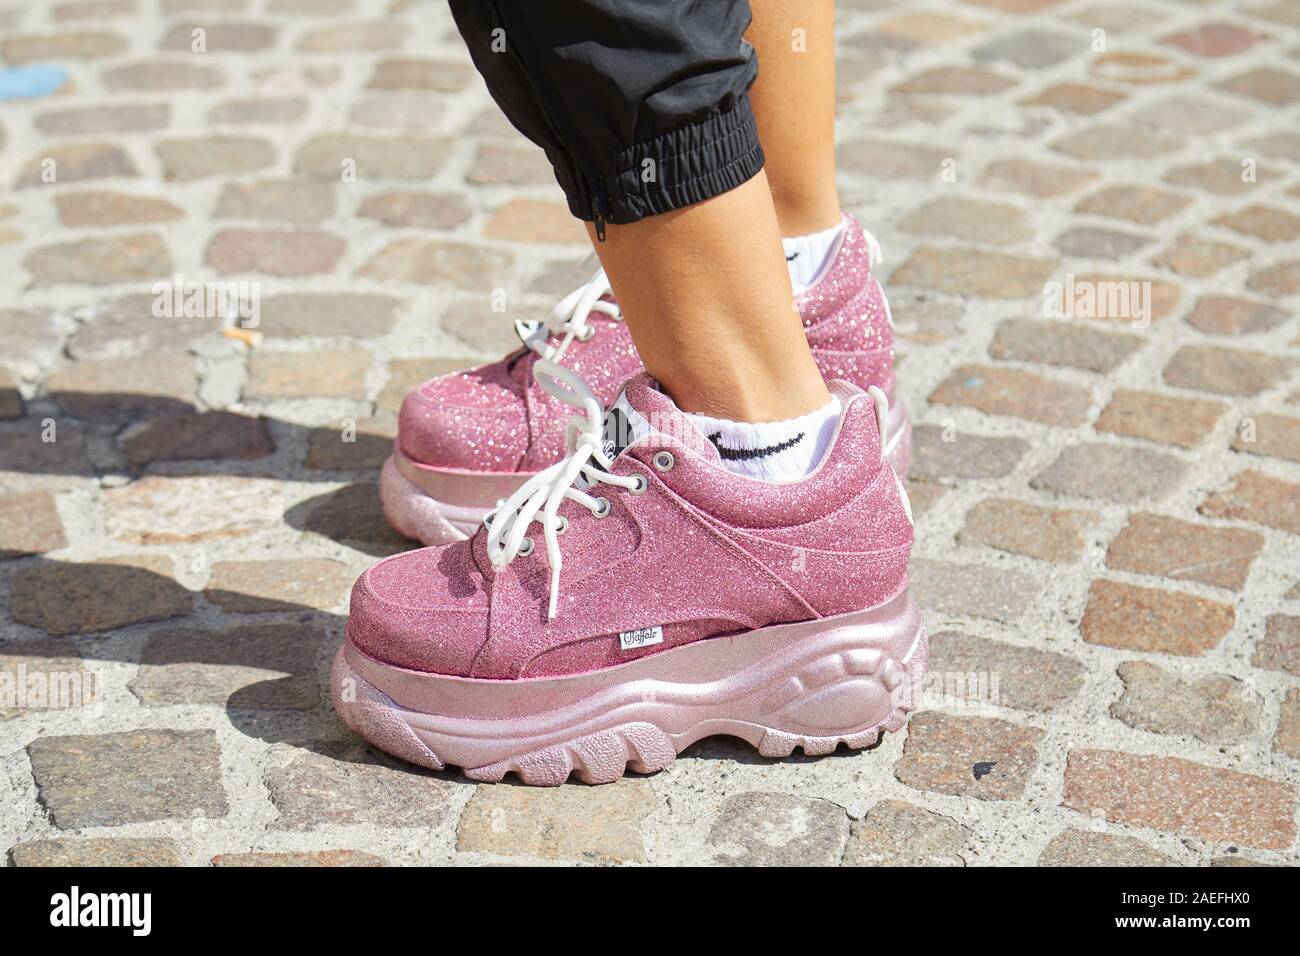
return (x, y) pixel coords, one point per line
(679, 168)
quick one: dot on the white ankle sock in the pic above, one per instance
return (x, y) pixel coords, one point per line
(805, 255)
(772, 451)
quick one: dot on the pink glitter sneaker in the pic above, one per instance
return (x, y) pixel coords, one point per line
(662, 600)
(468, 439)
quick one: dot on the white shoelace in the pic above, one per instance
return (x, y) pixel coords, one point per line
(875, 256)
(509, 522)
(569, 319)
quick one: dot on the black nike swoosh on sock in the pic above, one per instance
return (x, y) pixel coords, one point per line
(749, 454)
(792, 258)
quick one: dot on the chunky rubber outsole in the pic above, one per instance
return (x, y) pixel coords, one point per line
(436, 506)
(813, 685)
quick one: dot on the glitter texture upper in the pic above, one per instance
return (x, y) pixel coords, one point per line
(701, 553)
(494, 418)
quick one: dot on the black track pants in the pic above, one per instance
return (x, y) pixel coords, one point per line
(642, 106)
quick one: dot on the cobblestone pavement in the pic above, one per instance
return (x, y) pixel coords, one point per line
(1108, 507)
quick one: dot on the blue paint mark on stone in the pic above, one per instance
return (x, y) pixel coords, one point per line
(31, 82)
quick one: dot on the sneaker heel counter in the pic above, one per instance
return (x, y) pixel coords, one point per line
(842, 578)
(860, 323)
(886, 508)
(881, 403)
(877, 326)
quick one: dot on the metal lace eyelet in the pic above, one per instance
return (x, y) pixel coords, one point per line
(603, 507)
(664, 460)
(562, 525)
(526, 548)
(641, 485)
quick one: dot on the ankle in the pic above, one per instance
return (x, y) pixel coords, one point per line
(802, 214)
(759, 406)
(736, 384)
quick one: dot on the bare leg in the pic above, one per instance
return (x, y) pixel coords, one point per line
(794, 102)
(707, 298)
(712, 316)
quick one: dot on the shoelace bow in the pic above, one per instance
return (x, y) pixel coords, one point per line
(569, 319)
(540, 497)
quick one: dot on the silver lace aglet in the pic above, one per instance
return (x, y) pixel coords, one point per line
(531, 332)
(555, 597)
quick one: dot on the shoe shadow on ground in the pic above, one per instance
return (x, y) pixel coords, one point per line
(78, 433)
(139, 434)
(351, 515)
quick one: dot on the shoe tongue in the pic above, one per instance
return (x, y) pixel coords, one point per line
(623, 426)
(642, 409)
